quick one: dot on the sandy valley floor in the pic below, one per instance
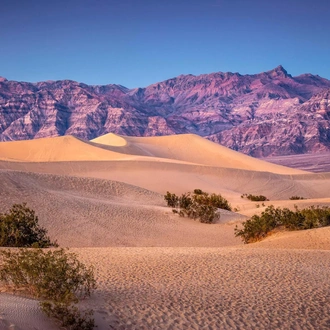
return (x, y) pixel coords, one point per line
(155, 270)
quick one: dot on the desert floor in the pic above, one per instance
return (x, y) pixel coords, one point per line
(155, 270)
(308, 162)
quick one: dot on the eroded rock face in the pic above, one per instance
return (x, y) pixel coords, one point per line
(271, 113)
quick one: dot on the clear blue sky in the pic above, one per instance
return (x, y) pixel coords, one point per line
(139, 42)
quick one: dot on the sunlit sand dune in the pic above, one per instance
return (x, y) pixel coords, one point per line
(189, 148)
(154, 269)
(211, 288)
(186, 148)
(64, 148)
(312, 239)
(90, 212)
(179, 178)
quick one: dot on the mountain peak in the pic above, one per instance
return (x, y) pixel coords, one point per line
(279, 71)
(2, 79)
(240, 111)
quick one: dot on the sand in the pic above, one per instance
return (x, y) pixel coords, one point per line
(19, 313)
(155, 270)
(211, 288)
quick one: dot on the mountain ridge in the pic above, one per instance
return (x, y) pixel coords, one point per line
(265, 114)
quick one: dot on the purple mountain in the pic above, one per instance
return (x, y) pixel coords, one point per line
(270, 113)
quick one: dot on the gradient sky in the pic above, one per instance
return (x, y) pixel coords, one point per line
(139, 42)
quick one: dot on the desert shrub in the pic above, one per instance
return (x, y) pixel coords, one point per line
(185, 202)
(255, 198)
(56, 277)
(171, 199)
(296, 198)
(69, 316)
(198, 192)
(20, 228)
(208, 214)
(316, 217)
(258, 227)
(198, 205)
(292, 220)
(218, 201)
(254, 230)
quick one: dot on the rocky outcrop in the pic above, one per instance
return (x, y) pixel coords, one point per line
(271, 113)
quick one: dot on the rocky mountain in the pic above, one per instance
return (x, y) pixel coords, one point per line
(271, 113)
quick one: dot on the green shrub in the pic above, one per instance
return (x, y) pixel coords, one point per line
(198, 192)
(171, 199)
(218, 201)
(56, 277)
(19, 228)
(255, 198)
(258, 227)
(198, 205)
(296, 198)
(322, 214)
(185, 201)
(208, 214)
(69, 316)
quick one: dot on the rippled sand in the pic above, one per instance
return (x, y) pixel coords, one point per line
(211, 288)
(155, 270)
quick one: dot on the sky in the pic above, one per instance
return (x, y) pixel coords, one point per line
(139, 42)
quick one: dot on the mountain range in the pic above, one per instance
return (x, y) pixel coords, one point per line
(266, 114)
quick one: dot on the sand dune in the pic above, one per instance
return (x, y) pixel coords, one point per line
(161, 177)
(82, 212)
(312, 239)
(64, 148)
(204, 288)
(155, 270)
(189, 148)
(186, 148)
(27, 317)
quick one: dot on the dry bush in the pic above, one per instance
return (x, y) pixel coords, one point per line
(258, 227)
(198, 205)
(56, 277)
(20, 228)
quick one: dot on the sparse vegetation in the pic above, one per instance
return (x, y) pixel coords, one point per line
(258, 227)
(255, 198)
(197, 205)
(70, 317)
(20, 228)
(171, 199)
(296, 198)
(57, 277)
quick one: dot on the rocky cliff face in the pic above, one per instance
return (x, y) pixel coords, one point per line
(270, 113)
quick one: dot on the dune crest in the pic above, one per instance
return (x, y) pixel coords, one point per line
(185, 148)
(63, 148)
(111, 139)
(190, 148)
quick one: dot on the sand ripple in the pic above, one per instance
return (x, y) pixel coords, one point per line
(210, 288)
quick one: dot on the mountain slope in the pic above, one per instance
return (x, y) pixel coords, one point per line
(271, 113)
